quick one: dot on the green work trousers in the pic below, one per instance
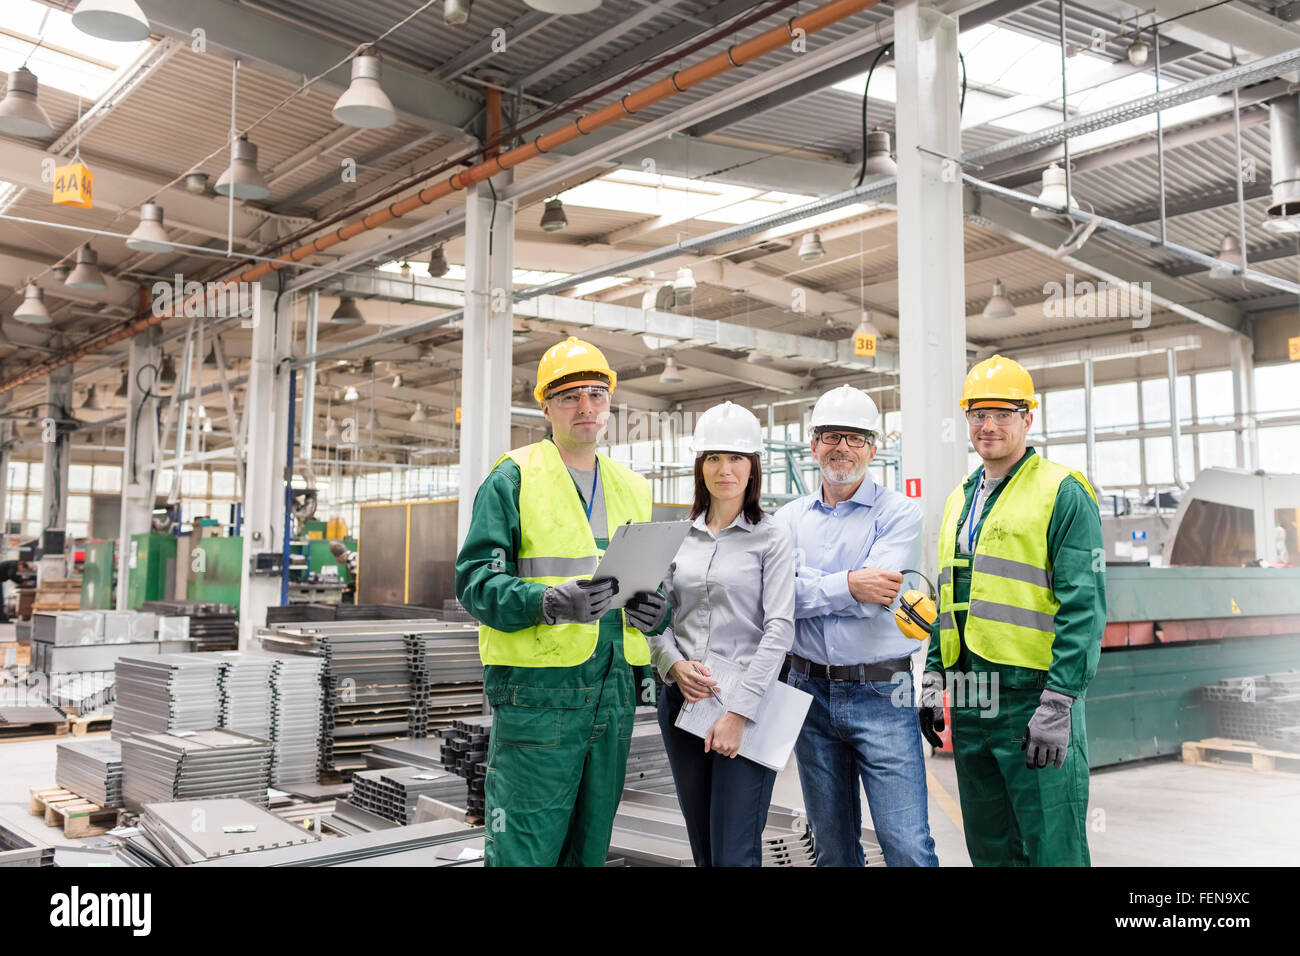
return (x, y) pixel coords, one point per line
(1015, 816)
(556, 763)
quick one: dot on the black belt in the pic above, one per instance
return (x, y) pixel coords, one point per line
(861, 673)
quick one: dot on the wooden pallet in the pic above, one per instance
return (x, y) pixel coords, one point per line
(74, 815)
(1241, 755)
(81, 726)
(12, 733)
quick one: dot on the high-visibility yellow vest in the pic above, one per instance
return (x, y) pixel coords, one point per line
(1010, 617)
(556, 545)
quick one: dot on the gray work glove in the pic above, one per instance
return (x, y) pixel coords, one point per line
(1047, 738)
(932, 721)
(646, 610)
(578, 602)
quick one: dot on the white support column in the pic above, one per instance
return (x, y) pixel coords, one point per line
(932, 306)
(486, 344)
(1175, 427)
(55, 447)
(1241, 352)
(268, 436)
(1089, 424)
(140, 454)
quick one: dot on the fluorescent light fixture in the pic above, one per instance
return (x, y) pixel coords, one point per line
(364, 104)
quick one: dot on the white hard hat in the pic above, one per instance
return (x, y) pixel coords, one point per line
(846, 407)
(728, 427)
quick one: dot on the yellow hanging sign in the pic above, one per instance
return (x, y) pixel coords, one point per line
(864, 345)
(458, 414)
(73, 186)
(1293, 347)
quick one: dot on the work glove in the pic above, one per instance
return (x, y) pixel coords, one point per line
(578, 602)
(646, 610)
(932, 708)
(1047, 738)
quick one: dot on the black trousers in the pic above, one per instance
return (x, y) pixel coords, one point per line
(724, 799)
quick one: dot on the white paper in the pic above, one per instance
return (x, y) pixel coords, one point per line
(769, 738)
(638, 556)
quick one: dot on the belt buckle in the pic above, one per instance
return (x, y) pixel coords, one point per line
(862, 673)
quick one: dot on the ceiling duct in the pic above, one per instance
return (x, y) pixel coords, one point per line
(1284, 136)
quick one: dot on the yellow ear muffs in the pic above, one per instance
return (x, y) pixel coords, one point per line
(915, 615)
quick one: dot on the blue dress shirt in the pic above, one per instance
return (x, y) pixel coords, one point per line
(875, 528)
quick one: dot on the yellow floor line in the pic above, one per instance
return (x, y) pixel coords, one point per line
(946, 802)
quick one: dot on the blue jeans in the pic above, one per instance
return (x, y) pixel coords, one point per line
(869, 730)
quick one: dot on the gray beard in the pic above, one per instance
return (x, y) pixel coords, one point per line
(854, 476)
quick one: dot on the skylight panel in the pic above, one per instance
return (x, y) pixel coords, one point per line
(66, 58)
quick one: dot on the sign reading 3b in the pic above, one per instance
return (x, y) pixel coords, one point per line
(864, 345)
(73, 186)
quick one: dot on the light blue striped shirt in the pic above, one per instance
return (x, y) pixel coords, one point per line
(876, 528)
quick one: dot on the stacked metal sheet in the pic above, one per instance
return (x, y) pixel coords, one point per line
(195, 831)
(245, 683)
(91, 769)
(296, 697)
(167, 692)
(83, 693)
(647, 760)
(649, 831)
(393, 792)
(1264, 709)
(436, 843)
(464, 752)
(17, 849)
(212, 627)
(446, 676)
(160, 768)
(406, 753)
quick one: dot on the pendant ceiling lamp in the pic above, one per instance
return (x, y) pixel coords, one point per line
(553, 217)
(20, 110)
(167, 377)
(331, 430)
(120, 20)
(419, 416)
(456, 12)
(438, 263)
(811, 248)
(347, 313)
(1230, 253)
(242, 179)
(563, 7)
(999, 306)
(32, 309)
(879, 160)
(86, 277)
(364, 103)
(350, 394)
(1053, 193)
(93, 402)
(122, 388)
(150, 235)
(671, 375)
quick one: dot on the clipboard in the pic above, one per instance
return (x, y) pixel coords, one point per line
(639, 556)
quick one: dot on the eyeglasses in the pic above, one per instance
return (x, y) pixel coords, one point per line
(852, 439)
(1002, 416)
(572, 397)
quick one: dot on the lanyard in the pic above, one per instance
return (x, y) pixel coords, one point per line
(973, 518)
(590, 502)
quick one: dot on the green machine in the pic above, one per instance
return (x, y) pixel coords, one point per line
(150, 569)
(97, 592)
(216, 575)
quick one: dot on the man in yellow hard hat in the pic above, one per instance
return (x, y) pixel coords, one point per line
(1022, 607)
(557, 667)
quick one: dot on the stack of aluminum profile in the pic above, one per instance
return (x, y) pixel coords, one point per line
(433, 843)
(83, 693)
(1264, 709)
(212, 627)
(91, 769)
(392, 793)
(649, 831)
(160, 768)
(424, 753)
(446, 676)
(647, 760)
(296, 697)
(230, 828)
(245, 683)
(453, 610)
(464, 752)
(166, 692)
(68, 642)
(18, 849)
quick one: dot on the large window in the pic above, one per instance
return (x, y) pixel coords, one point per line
(1155, 401)
(1277, 390)
(1114, 407)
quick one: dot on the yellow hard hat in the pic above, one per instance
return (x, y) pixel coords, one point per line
(571, 360)
(998, 379)
(915, 615)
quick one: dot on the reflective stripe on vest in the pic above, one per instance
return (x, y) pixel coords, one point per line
(556, 545)
(1010, 618)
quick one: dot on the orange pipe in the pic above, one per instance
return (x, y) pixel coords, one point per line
(679, 82)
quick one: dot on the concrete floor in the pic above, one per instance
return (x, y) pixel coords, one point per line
(1159, 813)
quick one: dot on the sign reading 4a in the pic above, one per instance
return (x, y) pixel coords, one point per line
(73, 186)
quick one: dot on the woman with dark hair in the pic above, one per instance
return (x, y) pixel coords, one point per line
(731, 587)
